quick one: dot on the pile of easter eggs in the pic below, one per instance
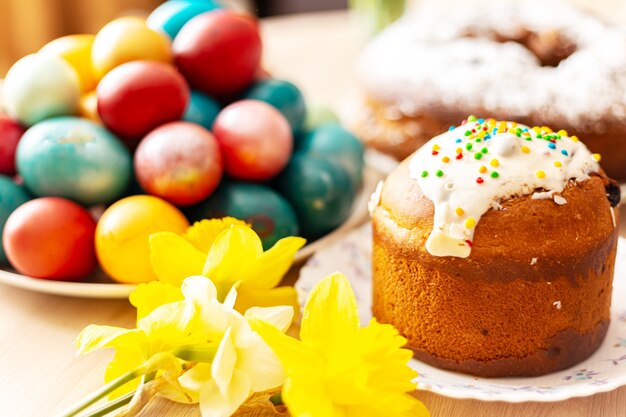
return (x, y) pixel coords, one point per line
(151, 125)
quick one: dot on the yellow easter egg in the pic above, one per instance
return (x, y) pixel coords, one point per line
(88, 107)
(128, 39)
(123, 231)
(76, 50)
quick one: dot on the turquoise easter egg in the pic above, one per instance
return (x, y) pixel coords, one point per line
(332, 142)
(11, 197)
(318, 115)
(319, 190)
(74, 158)
(201, 110)
(283, 95)
(171, 16)
(38, 87)
(270, 215)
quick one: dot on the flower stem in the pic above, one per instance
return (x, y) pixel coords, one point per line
(112, 405)
(98, 394)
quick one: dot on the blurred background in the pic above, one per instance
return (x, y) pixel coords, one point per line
(27, 25)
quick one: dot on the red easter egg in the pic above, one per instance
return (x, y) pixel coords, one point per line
(255, 139)
(219, 52)
(179, 162)
(51, 238)
(10, 134)
(137, 97)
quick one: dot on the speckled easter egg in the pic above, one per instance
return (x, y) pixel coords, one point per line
(123, 231)
(38, 87)
(283, 95)
(11, 197)
(128, 39)
(332, 142)
(76, 51)
(319, 190)
(51, 238)
(171, 16)
(201, 110)
(73, 158)
(270, 215)
(179, 162)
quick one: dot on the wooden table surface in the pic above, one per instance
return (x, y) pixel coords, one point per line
(40, 375)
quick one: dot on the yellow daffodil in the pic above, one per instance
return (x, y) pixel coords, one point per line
(231, 254)
(244, 364)
(340, 369)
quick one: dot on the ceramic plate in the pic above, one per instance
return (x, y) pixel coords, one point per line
(101, 286)
(605, 370)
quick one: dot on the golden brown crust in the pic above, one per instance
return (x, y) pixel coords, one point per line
(400, 135)
(536, 270)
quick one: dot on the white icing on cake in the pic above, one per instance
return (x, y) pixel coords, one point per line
(499, 160)
(425, 63)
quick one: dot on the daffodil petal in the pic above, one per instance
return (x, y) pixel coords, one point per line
(307, 396)
(279, 317)
(94, 337)
(281, 296)
(169, 325)
(199, 289)
(203, 233)
(173, 258)
(260, 363)
(331, 318)
(126, 359)
(231, 298)
(269, 269)
(193, 380)
(215, 404)
(224, 362)
(232, 250)
(147, 297)
(292, 353)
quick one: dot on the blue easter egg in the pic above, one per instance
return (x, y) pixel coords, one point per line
(74, 158)
(332, 142)
(201, 110)
(283, 95)
(319, 190)
(270, 215)
(11, 197)
(171, 16)
(318, 115)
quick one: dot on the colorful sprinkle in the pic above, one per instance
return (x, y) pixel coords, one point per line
(482, 169)
(439, 173)
(458, 140)
(471, 118)
(540, 174)
(468, 146)
(424, 174)
(470, 223)
(494, 162)
(597, 157)
(551, 145)
(484, 150)
(558, 164)
(525, 149)
(480, 180)
(436, 147)
(564, 152)
(574, 138)
(435, 153)
(451, 128)
(459, 211)
(495, 174)
(445, 159)
(478, 155)
(469, 243)
(459, 150)
(562, 132)
(459, 156)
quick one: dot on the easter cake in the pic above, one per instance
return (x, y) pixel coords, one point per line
(539, 63)
(494, 250)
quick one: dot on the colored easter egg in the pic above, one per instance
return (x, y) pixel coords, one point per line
(171, 16)
(269, 214)
(219, 52)
(123, 232)
(283, 95)
(73, 158)
(332, 142)
(179, 162)
(88, 107)
(11, 197)
(128, 39)
(51, 238)
(38, 87)
(318, 115)
(139, 96)
(201, 110)
(10, 134)
(320, 192)
(255, 138)
(76, 51)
